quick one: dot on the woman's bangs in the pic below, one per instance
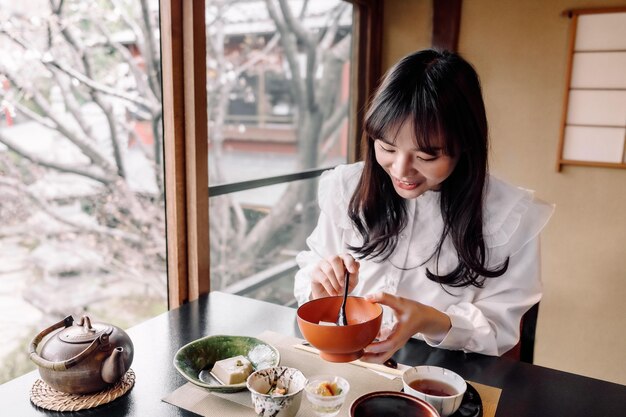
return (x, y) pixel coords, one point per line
(385, 121)
(427, 133)
(431, 134)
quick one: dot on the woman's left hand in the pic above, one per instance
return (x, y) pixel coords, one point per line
(412, 317)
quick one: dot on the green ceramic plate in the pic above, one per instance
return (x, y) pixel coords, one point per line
(195, 359)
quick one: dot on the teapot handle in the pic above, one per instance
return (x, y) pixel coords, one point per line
(68, 363)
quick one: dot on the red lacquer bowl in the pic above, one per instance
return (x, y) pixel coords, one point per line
(340, 343)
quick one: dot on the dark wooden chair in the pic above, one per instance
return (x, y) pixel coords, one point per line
(524, 350)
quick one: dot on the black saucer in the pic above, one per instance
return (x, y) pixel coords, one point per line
(471, 405)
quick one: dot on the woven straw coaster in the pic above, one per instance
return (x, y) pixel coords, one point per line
(44, 396)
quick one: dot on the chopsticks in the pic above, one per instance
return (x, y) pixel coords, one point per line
(373, 366)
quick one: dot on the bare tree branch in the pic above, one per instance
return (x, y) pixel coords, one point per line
(113, 134)
(74, 137)
(330, 33)
(296, 27)
(157, 136)
(48, 60)
(71, 104)
(87, 78)
(260, 56)
(291, 51)
(44, 121)
(333, 60)
(334, 121)
(52, 165)
(132, 25)
(151, 55)
(99, 87)
(145, 43)
(45, 207)
(306, 38)
(139, 76)
(56, 8)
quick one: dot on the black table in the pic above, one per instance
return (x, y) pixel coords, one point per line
(527, 390)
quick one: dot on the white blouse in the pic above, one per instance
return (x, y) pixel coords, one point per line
(484, 320)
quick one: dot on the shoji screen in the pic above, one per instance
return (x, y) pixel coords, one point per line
(594, 117)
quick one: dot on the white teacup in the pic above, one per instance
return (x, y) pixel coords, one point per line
(440, 387)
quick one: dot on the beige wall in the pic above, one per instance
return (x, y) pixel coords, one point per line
(519, 50)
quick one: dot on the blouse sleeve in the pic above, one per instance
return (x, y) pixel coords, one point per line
(334, 192)
(490, 323)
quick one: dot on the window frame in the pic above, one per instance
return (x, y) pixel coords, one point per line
(185, 148)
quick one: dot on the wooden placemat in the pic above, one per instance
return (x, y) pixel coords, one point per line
(362, 380)
(490, 396)
(44, 396)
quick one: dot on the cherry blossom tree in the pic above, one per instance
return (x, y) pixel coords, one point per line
(82, 163)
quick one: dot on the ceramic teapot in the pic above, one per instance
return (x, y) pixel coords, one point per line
(82, 357)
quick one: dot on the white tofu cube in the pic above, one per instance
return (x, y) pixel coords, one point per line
(232, 370)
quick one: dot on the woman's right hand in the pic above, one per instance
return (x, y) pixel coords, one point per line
(328, 276)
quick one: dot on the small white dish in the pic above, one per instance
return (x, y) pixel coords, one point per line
(323, 405)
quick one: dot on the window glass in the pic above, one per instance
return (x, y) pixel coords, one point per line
(82, 225)
(262, 266)
(278, 95)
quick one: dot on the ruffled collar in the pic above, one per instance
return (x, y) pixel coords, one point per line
(504, 207)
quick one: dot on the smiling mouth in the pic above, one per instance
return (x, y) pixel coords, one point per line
(405, 185)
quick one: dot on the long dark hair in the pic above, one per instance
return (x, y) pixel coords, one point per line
(440, 93)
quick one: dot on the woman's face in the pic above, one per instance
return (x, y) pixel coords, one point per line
(412, 171)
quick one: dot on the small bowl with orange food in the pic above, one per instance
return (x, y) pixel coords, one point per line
(326, 393)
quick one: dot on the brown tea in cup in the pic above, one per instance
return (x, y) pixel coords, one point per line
(432, 387)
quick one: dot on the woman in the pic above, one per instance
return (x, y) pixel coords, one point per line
(452, 252)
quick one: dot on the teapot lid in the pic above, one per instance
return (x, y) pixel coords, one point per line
(84, 331)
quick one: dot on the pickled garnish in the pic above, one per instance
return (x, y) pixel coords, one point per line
(277, 391)
(328, 389)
